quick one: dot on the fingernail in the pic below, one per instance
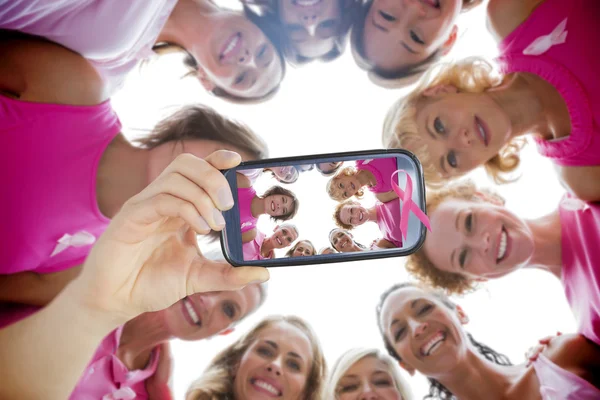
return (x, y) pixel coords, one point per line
(219, 220)
(225, 197)
(202, 224)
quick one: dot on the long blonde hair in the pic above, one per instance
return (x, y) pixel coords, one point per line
(216, 383)
(351, 357)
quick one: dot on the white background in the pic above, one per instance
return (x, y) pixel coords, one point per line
(333, 107)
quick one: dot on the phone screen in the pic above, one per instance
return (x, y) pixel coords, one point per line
(324, 209)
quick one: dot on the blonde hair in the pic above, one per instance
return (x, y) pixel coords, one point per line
(337, 214)
(471, 75)
(420, 266)
(351, 357)
(333, 191)
(216, 383)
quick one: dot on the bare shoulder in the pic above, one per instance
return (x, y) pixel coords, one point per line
(575, 353)
(37, 70)
(504, 16)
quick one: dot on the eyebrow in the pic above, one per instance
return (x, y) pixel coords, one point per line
(414, 303)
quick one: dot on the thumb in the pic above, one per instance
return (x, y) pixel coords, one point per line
(211, 276)
(223, 159)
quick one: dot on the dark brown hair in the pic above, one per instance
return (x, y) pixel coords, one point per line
(278, 190)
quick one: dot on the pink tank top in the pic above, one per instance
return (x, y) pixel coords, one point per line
(247, 220)
(558, 43)
(251, 249)
(382, 169)
(580, 227)
(559, 384)
(388, 220)
(50, 155)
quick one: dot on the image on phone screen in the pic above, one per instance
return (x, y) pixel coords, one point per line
(330, 208)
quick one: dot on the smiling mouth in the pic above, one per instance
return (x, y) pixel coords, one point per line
(231, 46)
(306, 3)
(433, 344)
(265, 387)
(360, 216)
(482, 131)
(191, 312)
(503, 246)
(272, 205)
(278, 240)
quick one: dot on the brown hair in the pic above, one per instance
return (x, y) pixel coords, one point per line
(291, 251)
(216, 383)
(337, 217)
(278, 190)
(419, 265)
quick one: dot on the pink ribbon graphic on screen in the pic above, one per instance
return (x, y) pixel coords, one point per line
(407, 204)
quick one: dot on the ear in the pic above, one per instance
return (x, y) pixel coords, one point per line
(407, 368)
(449, 43)
(437, 90)
(205, 80)
(462, 316)
(226, 332)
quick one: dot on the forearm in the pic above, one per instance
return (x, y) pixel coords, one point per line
(387, 196)
(34, 289)
(43, 356)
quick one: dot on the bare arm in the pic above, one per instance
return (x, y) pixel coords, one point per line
(249, 236)
(243, 181)
(504, 16)
(576, 354)
(35, 289)
(387, 196)
(583, 182)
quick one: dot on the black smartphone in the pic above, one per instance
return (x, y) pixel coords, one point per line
(325, 208)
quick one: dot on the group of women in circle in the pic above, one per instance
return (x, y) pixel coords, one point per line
(136, 206)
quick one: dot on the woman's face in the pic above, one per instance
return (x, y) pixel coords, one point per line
(368, 378)
(278, 205)
(276, 365)
(343, 242)
(477, 239)
(283, 236)
(287, 174)
(303, 248)
(461, 130)
(345, 186)
(239, 59)
(400, 33)
(425, 333)
(329, 167)
(202, 315)
(311, 25)
(354, 214)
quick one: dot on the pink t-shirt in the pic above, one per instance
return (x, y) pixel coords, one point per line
(48, 208)
(388, 220)
(382, 169)
(580, 229)
(114, 35)
(247, 220)
(559, 384)
(251, 249)
(556, 44)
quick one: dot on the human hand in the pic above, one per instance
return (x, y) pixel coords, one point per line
(148, 257)
(532, 354)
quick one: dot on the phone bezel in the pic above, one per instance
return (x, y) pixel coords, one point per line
(232, 233)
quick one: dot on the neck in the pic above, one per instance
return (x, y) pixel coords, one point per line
(373, 214)
(477, 378)
(122, 173)
(266, 247)
(547, 251)
(257, 207)
(517, 97)
(139, 337)
(365, 177)
(189, 25)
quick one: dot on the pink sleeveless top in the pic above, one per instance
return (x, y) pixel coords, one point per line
(247, 220)
(50, 156)
(251, 249)
(382, 169)
(559, 384)
(388, 220)
(580, 228)
(557, 43)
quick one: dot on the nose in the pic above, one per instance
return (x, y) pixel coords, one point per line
(419, 328)
(465, 138)
(309, 19)
(275, 367)
(367, 393)
(246, 57)
(414, 8)
(482, 242)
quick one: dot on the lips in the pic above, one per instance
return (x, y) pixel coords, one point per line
(433, 344)
(360, 215)
(482, 131)
(306, 3)
(503, 245)
(231, 47)
(272, 205)
(190, 312)
(431, 3)
(267, 386)
(278, 240)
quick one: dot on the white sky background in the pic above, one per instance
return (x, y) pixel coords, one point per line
(333, 107)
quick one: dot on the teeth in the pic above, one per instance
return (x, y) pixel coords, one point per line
(502, 247)
(481, 132)
(266, 386)
(278, 241)
(272, 206)
(231, 45)
(307, 3)
(191, 311)
(433, 344)
(360, 216)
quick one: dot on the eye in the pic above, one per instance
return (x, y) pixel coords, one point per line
(285, 210)
(387, 16)
(416, 38)
(341, 185)
(240, 78)
(229, 310)
(293, 365)
(399, 334)
(262, 51)
(330, 23)
(425, 309)
(469, 222)
(383, 382)
(265, 351)
(345, 195)
(461, 258)
(284, 200)
(451, 159)
(438, 126)
(347, 388)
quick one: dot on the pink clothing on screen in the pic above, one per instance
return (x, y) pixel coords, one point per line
(247, 220)
(48, 208)
(251, 249)
(114, 35)
(580, 231)
(382, 169)
(559, 384)
(557, 43)
(388, 220)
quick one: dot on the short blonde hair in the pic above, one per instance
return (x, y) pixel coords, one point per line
(216, 383)
(333, 191)
(471, 75)
(351, 357)
(420, 266)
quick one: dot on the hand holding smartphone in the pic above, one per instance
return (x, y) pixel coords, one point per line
(325, 208)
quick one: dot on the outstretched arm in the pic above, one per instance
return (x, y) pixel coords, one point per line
(387, 196)
(35, 289)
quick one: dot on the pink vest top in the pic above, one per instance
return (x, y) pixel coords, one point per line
(48, 208)
(557, 43)
(382, 169)
(388, 220)
(252, 249)
(247, 220)
(580, 228)
(559, 384)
